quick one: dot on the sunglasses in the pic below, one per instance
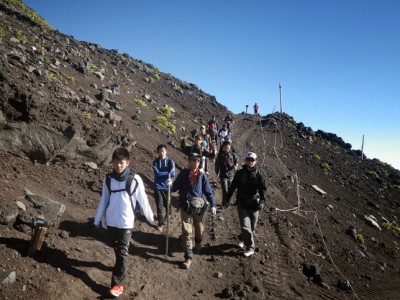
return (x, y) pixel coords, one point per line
(250, 159)
(195, 159)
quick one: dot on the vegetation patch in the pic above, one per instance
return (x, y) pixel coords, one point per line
(166, 111)
(326, 167)
(163, 122)
(360, 238)
(317, 157)
(140, 102)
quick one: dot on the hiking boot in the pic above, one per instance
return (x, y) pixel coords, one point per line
(117, 290)
(160, 228)
(187, 263)
(197, 248)
(240, 243)
(249, 252)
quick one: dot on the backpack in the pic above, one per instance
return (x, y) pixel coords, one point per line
(128, 186)
(227, 159)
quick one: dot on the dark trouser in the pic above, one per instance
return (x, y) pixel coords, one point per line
(161, 197)
(119, 240)
(248, 222)
(225, 182)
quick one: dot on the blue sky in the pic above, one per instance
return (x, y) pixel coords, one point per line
(338, 61)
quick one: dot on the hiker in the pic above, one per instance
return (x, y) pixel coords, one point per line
(223, 133)
(213, 133)
(199, 147)
(215, 122)
(163, 167)
(226, 165)
(229, 123)
(192, 185)
(250, 199)
(122, 190)
(247, 106)
(255, 109)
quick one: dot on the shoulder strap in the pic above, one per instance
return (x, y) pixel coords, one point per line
(129, 180)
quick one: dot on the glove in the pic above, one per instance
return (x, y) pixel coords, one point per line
(260, 206)
(169, 182)
(214, 210)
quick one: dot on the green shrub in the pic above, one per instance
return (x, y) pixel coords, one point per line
(291, 125)
(2, 33)
(360, 238)
(87, 115)
(86, 53)
(166, 111)
(140, 102)
(157, 76)
(387, 225)
(121, 57)
(161, 120)
(317, 157)
(51, 75)
(71, 79)
(151, 80)
(177, 88)
(172, 127)
(326, 167)
(371, 172)
(103, 63)
(397, 229)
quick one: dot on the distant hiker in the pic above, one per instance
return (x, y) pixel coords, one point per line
(226, 165)
(250, 199)
(162, 167)
(213, 133)
(255, 109)
(223, 133)
(229, 123)
(122, 190)
(247, 106)
(213, 121)
(192, 185)
(199, 147)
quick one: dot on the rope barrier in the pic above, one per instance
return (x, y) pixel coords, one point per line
(297, 208)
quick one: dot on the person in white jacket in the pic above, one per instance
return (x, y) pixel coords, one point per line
(122, 190)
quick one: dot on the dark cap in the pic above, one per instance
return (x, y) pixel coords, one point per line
(193, 155)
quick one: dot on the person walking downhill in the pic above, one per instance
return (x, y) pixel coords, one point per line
(250, 199)
(164, 172)
(255, 109)
(199, 147)
(226, 165)
(122, 190)
(192, 185)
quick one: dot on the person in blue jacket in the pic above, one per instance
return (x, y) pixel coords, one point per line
(163, 168)
(192, 184)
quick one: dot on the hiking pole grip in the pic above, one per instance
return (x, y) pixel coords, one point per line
(168, 203)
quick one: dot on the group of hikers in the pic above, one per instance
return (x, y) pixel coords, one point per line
(123, 194)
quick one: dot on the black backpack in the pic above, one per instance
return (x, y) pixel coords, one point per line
(129, 180)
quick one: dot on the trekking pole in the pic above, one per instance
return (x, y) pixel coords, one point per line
(168, 202)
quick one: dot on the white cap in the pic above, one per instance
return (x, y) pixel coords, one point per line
(251, 155)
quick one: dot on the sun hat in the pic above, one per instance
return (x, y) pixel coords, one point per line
(251, 155)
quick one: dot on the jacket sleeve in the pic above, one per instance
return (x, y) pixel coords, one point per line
(234, 184)
(105, 199)
(141, 197)
(217, 163)
(172, 169)
(177, 183)
(207, 191)
(262, 188)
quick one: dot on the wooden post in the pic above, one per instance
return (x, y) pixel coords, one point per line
(362, 148)
(280, 95)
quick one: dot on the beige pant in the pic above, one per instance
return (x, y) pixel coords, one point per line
(188, 222)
